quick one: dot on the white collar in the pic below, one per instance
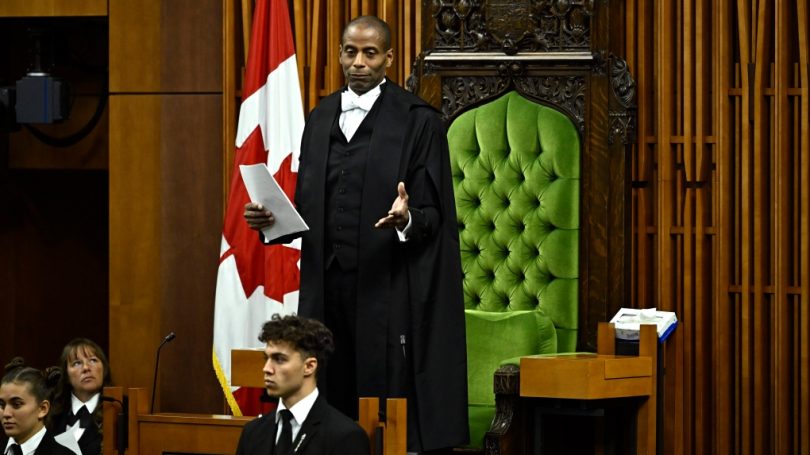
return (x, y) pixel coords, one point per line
(77, 404)
(373, 93)
(299, 410)
(350, 100)
(31, 444)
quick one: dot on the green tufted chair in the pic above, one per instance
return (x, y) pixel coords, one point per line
(516, 168)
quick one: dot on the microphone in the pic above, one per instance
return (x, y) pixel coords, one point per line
(166, 339)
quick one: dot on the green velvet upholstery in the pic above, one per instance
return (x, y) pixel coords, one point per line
(515, 167)
(520, 333)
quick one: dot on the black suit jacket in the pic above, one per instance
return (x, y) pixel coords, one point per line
(49, 446)
(325, 431)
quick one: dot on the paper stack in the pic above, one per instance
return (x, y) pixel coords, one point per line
(628, 320)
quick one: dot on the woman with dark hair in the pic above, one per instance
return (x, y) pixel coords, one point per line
(77, 407)
(25, 401)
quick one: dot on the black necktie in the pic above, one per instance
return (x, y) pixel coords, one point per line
(16, 449)
(83, 416)
(284, 443)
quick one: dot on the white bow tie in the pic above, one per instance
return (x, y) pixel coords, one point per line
(350, 101)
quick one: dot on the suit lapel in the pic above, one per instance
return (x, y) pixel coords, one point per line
(310, 427)
(319, 148)
(266, 439)
(384, 153)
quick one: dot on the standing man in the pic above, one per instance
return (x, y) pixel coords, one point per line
(303, 423)
(381, 262)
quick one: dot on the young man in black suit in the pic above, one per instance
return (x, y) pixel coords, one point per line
(304, 423)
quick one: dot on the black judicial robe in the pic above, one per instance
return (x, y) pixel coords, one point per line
(410, 312)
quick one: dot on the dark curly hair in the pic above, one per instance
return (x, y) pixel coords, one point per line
(307, 336)
(40, 383)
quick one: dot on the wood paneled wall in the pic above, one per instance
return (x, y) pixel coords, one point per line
(52, 8)
(53, 200)
(721, 205)
(165, 165)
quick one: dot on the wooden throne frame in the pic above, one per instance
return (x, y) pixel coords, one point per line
(563, 54)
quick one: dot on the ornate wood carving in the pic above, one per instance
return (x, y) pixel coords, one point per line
(512, 26)
(460, 92)
(623, 91)
(503, 427)
(621, 82)
(564, 92)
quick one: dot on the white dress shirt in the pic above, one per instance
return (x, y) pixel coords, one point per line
(354, 108)
(300, 411)
(29, 446)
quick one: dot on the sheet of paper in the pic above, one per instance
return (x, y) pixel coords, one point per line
(263, 188)
(68, 439)
(628, 320)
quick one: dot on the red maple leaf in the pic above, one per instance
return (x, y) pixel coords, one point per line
(275, 266)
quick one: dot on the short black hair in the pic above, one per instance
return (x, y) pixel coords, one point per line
(373, 22)
(309, 337)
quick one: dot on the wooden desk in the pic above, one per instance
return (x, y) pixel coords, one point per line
(154, 434)
(600, 376)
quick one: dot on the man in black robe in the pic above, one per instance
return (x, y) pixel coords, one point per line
(385, 277)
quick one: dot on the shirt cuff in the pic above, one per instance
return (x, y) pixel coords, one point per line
(403, 234)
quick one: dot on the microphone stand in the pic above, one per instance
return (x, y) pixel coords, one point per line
(167, 339)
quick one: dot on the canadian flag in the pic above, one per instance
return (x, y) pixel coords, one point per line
(256, 281)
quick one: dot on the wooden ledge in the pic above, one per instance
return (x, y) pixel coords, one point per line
(585, 377)
(197, 419)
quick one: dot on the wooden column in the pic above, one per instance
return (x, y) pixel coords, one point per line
(165, 195)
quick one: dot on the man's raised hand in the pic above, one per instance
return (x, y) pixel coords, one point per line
(398, 216)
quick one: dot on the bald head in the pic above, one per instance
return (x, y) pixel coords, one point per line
(372, 22)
